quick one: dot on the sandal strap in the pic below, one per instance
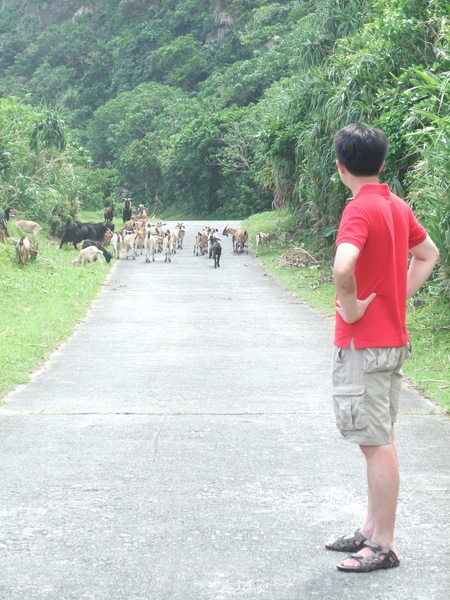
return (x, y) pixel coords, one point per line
(377, 548)
(347, 544)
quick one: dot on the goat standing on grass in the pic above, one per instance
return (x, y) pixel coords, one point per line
(30, 227)
(109, 212)
(262, 239)
(89, 254)
(25, 250)
(3, 220)
(107, 255)
(127, 210)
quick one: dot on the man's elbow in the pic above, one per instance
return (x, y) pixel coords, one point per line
(427, 252)
(342, 272)
(344, 282)
(432, 257)
(436, 255)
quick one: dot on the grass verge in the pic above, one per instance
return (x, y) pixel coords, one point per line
(41, 304)
(428, 322)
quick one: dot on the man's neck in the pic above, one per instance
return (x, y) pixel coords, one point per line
(356, 183)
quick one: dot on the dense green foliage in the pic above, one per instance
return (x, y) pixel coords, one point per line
(222, 108)
(38, 169)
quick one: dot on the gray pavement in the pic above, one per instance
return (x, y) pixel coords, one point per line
(181, 446)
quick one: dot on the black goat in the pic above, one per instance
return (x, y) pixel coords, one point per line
(215, 250)
(75, 232)
(127, 211)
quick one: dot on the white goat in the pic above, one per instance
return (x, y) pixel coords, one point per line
(151, 242)
(168, 246)
(129, 241)
(181, 234)
(29, 227)
(89, 254)
(202, 240)
(174, 235)
(116, 242)
(212, 236)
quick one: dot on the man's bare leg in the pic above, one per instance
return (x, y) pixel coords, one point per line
(383, 486)
(369, 525)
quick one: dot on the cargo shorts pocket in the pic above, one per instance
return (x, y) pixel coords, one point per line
(349, 402)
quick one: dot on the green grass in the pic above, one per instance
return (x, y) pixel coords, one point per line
(41, 304)
(429, 365)
(43, 301)
(428, 369)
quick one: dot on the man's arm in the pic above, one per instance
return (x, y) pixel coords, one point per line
(424, 259)
(348, 306)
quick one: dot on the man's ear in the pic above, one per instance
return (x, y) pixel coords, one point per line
(382, 167)
(341, 167)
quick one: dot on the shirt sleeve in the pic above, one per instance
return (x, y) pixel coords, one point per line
(354, 227)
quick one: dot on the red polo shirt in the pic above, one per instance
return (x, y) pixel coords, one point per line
(384, 228)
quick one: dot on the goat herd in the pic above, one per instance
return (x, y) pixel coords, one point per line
(138, 234)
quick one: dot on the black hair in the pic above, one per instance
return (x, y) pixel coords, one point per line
(361, 149)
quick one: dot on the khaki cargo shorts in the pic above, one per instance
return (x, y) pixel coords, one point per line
(366, 392)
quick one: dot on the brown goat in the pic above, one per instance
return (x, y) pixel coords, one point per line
(142, 214)
(107, 238)
(25, 250)
(130, 224)
(109, 212)
(239, 238)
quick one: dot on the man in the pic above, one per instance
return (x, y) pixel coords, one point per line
(377, 233)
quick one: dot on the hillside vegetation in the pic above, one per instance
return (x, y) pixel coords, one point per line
(222, 107)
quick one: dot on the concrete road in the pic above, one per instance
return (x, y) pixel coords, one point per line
(181, 446)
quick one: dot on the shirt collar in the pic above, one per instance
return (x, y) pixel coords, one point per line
(381, 189)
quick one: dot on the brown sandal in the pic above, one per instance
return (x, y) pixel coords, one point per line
(348, 544)
(382, 558)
